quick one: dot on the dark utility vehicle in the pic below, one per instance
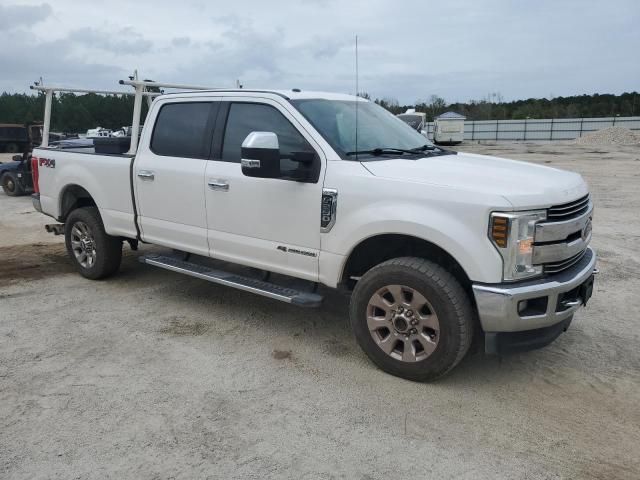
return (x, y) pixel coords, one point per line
(15, 176)
(17, 138)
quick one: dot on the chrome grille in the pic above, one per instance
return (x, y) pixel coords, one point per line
(562, 239)
(555, 267)
(568, 210)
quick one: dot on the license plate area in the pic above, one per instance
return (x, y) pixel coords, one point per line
(576, 296)
(586, 290)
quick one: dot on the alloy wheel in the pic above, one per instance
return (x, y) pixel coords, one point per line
(83, 245)
(403, 323)
(9, 184)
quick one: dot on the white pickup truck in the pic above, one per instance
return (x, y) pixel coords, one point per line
(435, 247)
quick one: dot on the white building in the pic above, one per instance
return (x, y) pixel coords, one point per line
(448, 128)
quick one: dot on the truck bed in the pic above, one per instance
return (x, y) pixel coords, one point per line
(106, 176)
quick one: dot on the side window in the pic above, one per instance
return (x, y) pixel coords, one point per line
(245, 118)
(182, 130)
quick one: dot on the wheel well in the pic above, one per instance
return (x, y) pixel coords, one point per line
(74, 196)
(375, 250)
(8, 174)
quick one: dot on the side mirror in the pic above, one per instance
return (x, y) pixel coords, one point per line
(305, 158)
(260, 155)
(17, 158)
(261, 158)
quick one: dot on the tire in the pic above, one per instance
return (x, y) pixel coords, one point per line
(11, 185)
(425, 325)
(95, 254)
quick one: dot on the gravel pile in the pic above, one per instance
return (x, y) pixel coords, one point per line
(610, 136)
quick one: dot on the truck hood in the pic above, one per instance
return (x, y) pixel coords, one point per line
(523, 184)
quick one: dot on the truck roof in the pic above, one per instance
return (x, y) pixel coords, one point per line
(293, 94)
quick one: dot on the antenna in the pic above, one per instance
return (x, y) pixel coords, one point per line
(357, 99)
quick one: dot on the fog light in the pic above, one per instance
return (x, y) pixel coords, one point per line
(533, 306)
(522, 306)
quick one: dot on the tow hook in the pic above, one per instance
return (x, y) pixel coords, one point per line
(55, 228)
(596, 271)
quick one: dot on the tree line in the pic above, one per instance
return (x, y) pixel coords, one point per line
(77, 113)
(70, 113)
(493, 107)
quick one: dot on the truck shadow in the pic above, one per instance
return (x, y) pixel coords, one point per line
(37, 261)
(196, 308)
(190, 307)
(32, 262)
(325, 330)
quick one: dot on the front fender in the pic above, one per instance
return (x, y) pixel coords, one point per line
(461, 234)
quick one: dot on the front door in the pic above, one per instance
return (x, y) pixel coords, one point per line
(269, 223)
(169, 173)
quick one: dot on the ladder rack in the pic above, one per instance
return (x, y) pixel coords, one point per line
(140, 90)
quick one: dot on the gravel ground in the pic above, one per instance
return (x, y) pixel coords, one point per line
(610, 136)
(154, 375)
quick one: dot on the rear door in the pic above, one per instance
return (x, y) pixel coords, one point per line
(169, 174)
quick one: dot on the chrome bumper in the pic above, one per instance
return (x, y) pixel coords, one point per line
(551, 300)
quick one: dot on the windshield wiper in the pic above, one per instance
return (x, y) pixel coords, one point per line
(424, 148)
(384, 151)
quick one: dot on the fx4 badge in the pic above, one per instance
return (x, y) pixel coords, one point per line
(47, 162)
(328, 209)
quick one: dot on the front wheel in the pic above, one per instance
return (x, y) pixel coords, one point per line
(412, 318)
(94, 253)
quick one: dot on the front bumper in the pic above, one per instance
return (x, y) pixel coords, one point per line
(534, 304)
(511, 342)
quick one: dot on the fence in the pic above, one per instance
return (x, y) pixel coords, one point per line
(540, 129)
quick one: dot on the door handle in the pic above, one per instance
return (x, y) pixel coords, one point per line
(218, 185)
(146, 175)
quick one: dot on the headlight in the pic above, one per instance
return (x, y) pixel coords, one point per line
(513, 235)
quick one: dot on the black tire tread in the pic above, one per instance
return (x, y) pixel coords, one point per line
(110, 248)
(18, 188)
(451, 288)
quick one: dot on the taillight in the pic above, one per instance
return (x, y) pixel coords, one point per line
(35, 174)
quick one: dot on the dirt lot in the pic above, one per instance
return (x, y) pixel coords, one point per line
(155, 375)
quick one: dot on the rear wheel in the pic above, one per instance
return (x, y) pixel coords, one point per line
(11, 147)
(11, 185)
(412, 318)
(94, 253)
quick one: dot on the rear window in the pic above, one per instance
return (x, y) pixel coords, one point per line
(182, 130)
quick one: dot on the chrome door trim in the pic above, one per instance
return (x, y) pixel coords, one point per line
(328, 209)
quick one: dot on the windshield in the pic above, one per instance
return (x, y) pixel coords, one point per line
(335, 120)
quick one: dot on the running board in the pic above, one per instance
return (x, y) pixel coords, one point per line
(259, 287)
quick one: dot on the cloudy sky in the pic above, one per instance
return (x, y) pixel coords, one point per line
(409, 49)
